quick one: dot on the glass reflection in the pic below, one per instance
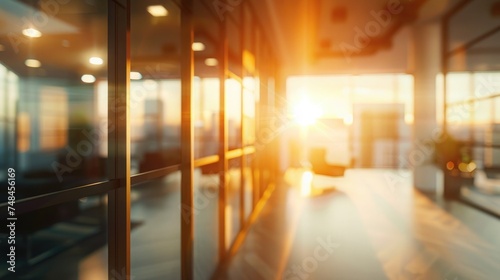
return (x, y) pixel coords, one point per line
(155, 124)
(155, 94)
(249, 100)
(156, 228)
(234, 45)
(233, 112)
(65, 241)
(206, 83)
(496, 110)
(49, 125)
(233, 198)
(206, 220)
(206, 116)
(248, 179)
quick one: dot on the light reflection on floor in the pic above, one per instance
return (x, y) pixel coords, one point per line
(384, 229)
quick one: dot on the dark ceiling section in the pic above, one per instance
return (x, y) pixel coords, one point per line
(71, 34)
(359, 29)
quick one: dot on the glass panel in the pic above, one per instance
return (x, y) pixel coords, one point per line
(460, 113)
(206, 84)
(482, 111)
(264, 170)
(250, 82)
(234, 47)
(486, 84)
(53, 134)
(206, 93)
(156, 228)
(206, 220)
(156, 86)
(233, 198)
(249, 28)
(249, 110)
(248, 174)
(65, 241)
(233, 111)
(496, 109)
(249, 43)
(7, 123)
(462, 31)
(458, 86)
(440, 99)
(492, 154)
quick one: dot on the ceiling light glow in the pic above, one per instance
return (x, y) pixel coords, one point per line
(33, 63)
(157, 11)
(211, 61)
(32, 33)
(135, 76)
(198, 46)
(88, 79)
(96, 60)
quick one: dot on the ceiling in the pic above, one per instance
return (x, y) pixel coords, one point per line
(71, 34)
(77, 30)
(309, 36)
(323, 36)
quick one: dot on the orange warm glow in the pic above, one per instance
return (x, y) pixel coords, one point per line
(305, 112)
(306, 184)
(450, 165)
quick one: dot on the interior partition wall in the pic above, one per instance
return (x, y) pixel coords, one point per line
(131, 136)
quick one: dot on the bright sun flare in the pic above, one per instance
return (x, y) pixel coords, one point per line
(305, 112)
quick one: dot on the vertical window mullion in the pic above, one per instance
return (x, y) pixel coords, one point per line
(223, 140)
(242, 29)
(187, 142)
(119, 140)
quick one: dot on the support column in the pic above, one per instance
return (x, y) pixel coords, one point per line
(427, 64)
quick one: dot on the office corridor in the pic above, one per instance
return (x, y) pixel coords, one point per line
(370, 224)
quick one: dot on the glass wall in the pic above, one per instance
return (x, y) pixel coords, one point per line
(471, 114)
(53, 139)
(206, 221)
(471, 106)
(49, 125)
(155, 228)
(155, 87)
(96, 131)
(206, 83)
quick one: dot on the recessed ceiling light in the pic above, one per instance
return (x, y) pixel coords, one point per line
(198, 46)
(211, 61)
(157, 11)
(32, 33)
(96, 60)
(135, 76)
(88, 79)
(33, 63)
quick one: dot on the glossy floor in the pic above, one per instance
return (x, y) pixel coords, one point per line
(370, 224)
